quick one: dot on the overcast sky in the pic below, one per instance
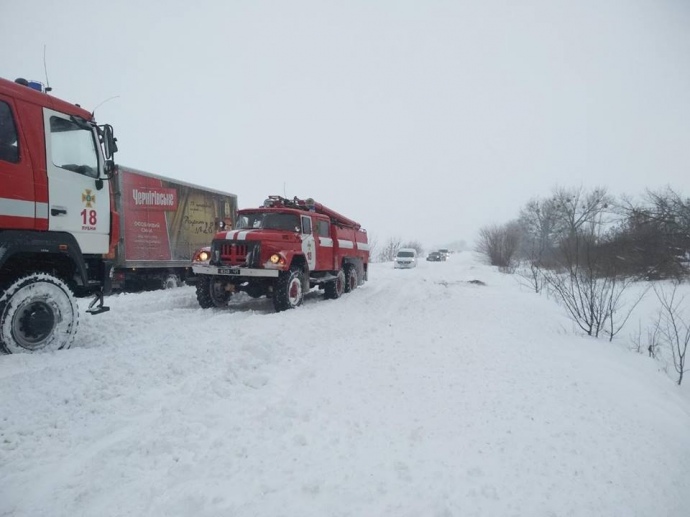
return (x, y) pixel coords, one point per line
(420, 119)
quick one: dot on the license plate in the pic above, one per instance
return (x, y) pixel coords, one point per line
(228, 271)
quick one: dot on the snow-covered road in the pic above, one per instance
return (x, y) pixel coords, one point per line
(420, 393)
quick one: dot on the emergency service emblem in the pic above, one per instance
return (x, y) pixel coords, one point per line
(88, 198)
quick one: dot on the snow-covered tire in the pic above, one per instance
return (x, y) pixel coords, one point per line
(210, 292)
(289, 292)
(335, 288)
(37, 312)
(351, 278)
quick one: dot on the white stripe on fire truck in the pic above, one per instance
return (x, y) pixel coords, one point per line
(345, 244)
(237, 235)
(19, 208)
(41, 210)
(362, 246)
(326, 242)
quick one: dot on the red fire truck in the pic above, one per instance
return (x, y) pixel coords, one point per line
(282, 250)
(56, 219)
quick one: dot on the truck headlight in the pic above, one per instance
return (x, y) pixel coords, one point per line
(277, 260)
(202, 255)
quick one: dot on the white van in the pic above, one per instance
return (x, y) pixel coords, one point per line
(406, 258)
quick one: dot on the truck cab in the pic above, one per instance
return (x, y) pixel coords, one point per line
(56, 219)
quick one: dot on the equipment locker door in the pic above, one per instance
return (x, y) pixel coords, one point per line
(308, 243)
(324, 258)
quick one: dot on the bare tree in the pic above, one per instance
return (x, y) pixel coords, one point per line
(581, 211)
(545, 224)
(539, 226)
(655, 235)
(536, 228)
(674, 326)
(390, 249)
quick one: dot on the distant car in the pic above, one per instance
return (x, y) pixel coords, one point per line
(445, 253)
(435, 256)
(405, 259)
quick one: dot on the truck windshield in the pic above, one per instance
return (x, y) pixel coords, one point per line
(406, 254)
(269, 221)
(72, 147)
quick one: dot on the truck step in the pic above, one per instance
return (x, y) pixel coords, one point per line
(96, 306)
(98, 310)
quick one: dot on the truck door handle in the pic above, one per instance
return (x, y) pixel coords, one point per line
(58, 211)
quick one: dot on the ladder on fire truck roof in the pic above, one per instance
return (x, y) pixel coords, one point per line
(310, 205)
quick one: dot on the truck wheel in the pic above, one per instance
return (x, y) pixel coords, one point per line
(170, 281)
(289, 292)
(37, 312)
(351, 280)
(210, 292)
(335, 288)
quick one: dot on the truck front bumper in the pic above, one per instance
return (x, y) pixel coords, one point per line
(205, 269)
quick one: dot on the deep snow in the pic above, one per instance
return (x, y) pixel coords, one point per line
(418, 394)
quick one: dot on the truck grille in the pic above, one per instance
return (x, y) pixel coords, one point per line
(235, 253)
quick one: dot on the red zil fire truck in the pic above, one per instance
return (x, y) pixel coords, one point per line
(56, 219)
(282, 250)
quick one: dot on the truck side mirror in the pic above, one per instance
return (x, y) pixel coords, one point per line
(109, 142)
(109, 168)
(109, 149)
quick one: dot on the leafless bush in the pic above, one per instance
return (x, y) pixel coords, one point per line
(652, 342)
(499, 244)
(532, 276)
(593, 303)
(589, 288)
(674, 326)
